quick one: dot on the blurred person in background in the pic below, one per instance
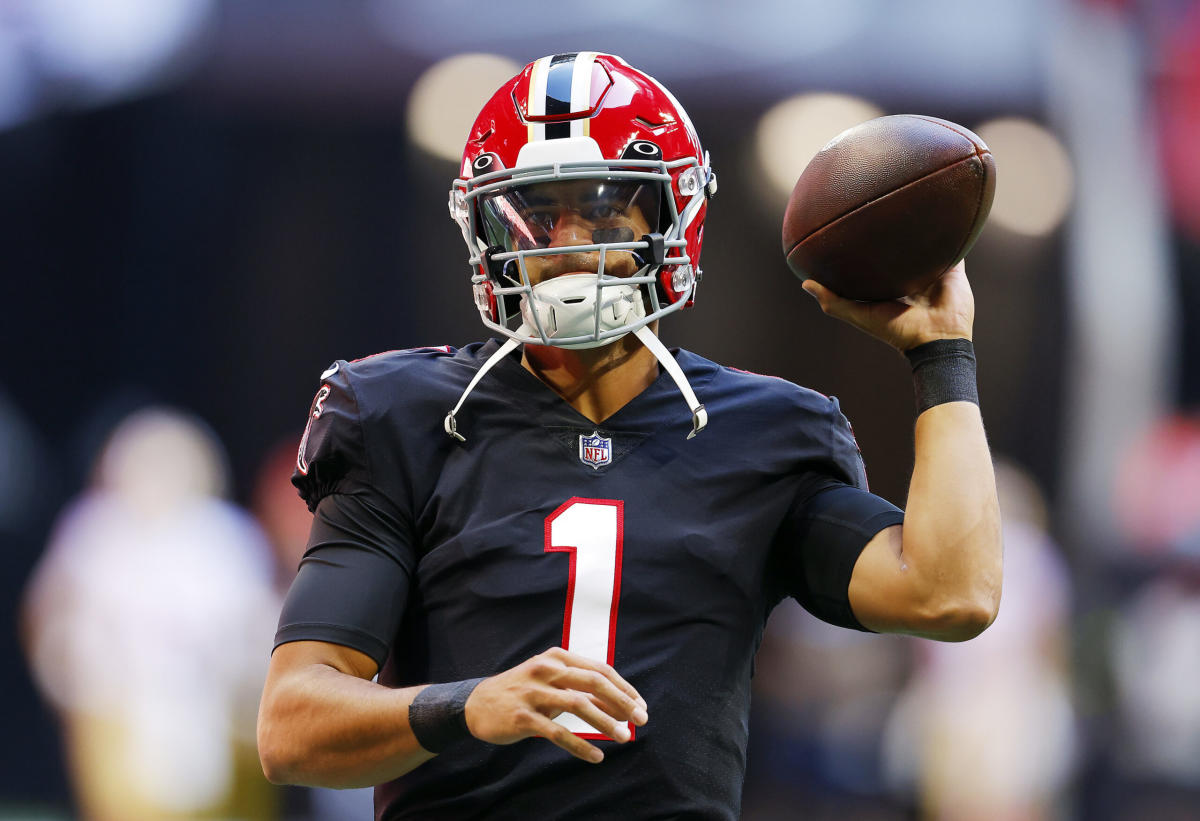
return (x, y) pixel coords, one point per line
(986, 730)
(1156, 664)
(822, 697)
(145, 622)
(427, 560)
(1154, 641)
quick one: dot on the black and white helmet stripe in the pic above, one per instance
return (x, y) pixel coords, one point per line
(560, 84)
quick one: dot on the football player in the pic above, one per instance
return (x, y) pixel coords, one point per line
(540, 567)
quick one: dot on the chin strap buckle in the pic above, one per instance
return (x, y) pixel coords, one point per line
(699, 420)
(449, 424)
(452, 428)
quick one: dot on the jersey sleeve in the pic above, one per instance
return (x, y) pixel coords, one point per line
(333, 455)
(353, 582)
(832, 518)
(845, 462)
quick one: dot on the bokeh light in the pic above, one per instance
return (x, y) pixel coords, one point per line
(446, 98)
(115, 47)
(793, 131)
(1035, 183)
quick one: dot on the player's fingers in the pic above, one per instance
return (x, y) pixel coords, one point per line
(576, 660)
(639, 718)
(562, 737)
(612, 699)
(581, 705)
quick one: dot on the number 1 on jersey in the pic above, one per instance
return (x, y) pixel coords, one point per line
(592, 533)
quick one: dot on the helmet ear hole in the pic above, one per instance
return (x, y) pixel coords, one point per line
(641, 150)
(486, 163)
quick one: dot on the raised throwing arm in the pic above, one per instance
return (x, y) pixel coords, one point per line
(939, 574)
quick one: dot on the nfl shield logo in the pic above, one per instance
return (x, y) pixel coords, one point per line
(595, 450)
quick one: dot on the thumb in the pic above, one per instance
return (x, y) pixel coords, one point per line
(830, 302)
(872, 317)
(814, 289)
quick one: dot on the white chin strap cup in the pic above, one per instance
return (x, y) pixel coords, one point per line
(565, 307)
(647, 337)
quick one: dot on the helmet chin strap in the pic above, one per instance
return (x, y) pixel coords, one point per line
(647, 337)
(504, 350)
(655, 346)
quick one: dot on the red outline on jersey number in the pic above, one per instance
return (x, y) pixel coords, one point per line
(570, 550)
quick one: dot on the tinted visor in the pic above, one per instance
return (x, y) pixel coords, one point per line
(570, 212)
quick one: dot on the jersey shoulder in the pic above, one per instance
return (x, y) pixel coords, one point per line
(411, 381)
(359, 398)
(389, 368)
(783, 417)
(762, 393)
(776, 391)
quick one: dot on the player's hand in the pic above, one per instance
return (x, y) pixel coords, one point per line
(944, 310)
(523, 702)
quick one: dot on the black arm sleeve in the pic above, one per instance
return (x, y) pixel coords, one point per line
(822, 538)
(353, 583)
(831, 520)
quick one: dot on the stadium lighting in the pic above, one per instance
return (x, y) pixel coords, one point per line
(1034, 180)
(793, 131)
(446, 98)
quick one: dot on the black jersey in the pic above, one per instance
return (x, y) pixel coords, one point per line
(625, 541)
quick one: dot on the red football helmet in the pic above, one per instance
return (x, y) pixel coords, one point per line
(576, 130)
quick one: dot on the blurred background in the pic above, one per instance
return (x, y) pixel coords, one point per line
(205, 202)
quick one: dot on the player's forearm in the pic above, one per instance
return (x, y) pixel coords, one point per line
(951, 538)
(322, 728)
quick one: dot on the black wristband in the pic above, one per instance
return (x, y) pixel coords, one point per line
(943, 371)
(438, 716)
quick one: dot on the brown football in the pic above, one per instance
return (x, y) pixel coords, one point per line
(888, 206)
